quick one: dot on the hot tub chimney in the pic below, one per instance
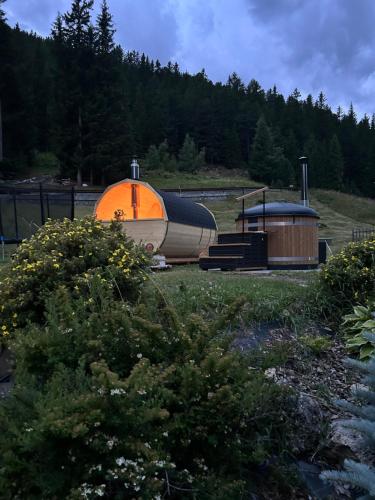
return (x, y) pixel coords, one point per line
(304, 182)
(134, 170)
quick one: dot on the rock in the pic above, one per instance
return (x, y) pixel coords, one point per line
(342, 436)
(309, 411)
(270, 373)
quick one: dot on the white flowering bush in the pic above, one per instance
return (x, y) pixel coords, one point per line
(109, 404)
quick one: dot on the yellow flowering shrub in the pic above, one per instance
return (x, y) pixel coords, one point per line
(349, 276)
(68, 253)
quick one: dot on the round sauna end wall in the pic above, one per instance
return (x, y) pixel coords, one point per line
(165, 223)
(292, 231)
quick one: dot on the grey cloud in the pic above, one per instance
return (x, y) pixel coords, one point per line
(146, 26)
(310, 44)
(36, 15)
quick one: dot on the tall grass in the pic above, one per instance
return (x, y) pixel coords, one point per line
(190, 290)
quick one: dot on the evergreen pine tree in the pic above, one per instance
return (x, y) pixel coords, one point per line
(167, 160)
(152, 158)
(292, 153)
(104, 31)
(335, 165)
(357, 474)
(321, 102)
(317, 157)
(76, 73)
(109, 133)
(232, 148)
(159, 158)
(281, 170)
(262, 149)
(77, 23)
(189, 158)
(57, 31)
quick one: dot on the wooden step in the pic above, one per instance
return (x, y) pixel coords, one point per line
(252, 237)
(231, 249)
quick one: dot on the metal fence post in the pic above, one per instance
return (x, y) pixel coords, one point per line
(72, 204)
(15, 213)
(41, 204)
(47, 203)
(2, 235)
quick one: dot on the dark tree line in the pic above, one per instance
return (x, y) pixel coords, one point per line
(80, 98)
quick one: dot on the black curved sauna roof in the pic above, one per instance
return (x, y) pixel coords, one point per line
(187, 212)
(280, 208)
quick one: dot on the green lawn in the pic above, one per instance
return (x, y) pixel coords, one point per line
(191, 290)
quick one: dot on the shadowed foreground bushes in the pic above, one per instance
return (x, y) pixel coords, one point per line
(118, 399)
(109, 404)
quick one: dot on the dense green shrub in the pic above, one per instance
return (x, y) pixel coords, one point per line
(68, 253)
(348, 278)
(356, 325)
(108, 403)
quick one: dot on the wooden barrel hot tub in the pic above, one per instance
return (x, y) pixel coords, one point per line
(292, 232)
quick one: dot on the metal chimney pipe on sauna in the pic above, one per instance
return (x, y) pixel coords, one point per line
(134, 170)
(304, 182)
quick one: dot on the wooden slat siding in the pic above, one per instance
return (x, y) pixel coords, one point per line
(169, 238)
(186, 241)
(294, 240)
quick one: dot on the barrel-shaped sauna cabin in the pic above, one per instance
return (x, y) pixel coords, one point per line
(292, 233)
(164, 223)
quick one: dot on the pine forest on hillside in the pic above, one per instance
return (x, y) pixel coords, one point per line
(78, 101)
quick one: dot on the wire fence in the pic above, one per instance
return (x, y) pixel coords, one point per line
(24, 210)
(359, 234)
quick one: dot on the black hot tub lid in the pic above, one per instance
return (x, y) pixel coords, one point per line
(280, 208)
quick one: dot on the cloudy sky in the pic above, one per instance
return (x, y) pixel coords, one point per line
(314, 45)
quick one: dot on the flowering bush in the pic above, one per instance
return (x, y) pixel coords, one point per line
(349, 276)
(68, 253)
(110, 404)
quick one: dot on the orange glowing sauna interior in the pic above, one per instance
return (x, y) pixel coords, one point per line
(165, 223)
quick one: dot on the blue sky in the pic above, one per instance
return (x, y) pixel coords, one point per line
(314, 45)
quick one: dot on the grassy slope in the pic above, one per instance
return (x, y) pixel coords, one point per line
(208, 177)
(359, 209)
